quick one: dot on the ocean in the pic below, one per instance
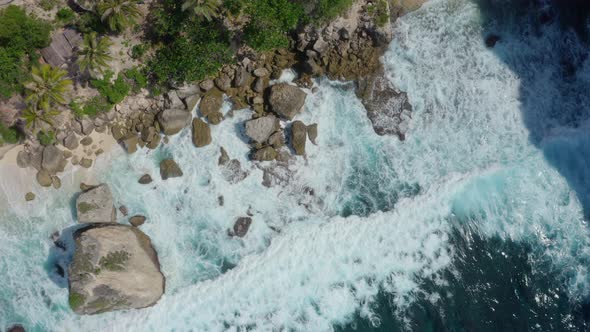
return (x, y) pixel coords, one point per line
(476, 222)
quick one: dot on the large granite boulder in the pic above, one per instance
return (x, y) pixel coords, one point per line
(114, 267)
(286, 100)
(170, 169)
(53, 159)
(211, 102)
(259, 130)
(96, 206)
(298, 137)
(173, 120)
(201, 133)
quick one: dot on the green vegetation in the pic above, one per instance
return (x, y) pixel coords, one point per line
(118, 14)
(322, 10)
(137, 78)
(114, 91)
(35, 117)
(207, 9)
(76, 300)
(65, 16)
(20, 36)
(48, 5)
(46, 138)
(114, 261)
(380, 11)
(84, 207)
(270, 20)
(138, 51)
(47, 87)
(94, 53)
(8, 135)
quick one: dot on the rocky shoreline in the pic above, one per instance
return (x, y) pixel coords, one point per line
(107, 254)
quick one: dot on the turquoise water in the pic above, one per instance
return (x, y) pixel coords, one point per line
(474, 222)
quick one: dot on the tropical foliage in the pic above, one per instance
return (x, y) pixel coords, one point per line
(48, 86)
(35, 117)
(20, 36)
(118, 14)
(207, 9)
(94, 53)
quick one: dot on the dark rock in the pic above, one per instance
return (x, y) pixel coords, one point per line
(223, 82)
(16, 328)
(145, 179)
(491, 40)
(215, 118)
(223, 158)
(29, 196)
(201, 133)
(86, 141)
(264, 154)
(298, 137)
(312, 132)
(241, 226)
(286, 100)
(137, 220)
(241, 78)
(124, 211)
(169, 169)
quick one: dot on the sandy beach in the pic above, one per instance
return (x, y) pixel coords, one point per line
(15, 182)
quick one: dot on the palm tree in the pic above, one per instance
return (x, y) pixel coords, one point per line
(35, 117)
(47, 87)
(94, 53)
(118, 14)
(203, 8)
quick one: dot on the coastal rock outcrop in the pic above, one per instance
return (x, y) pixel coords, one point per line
(241, 227)
(260, 129)
(114, 267)
(298, 137)
(169, 169)
(96, 206)
(286, 100)
(53, 159)
(201, 133)
(173, 120)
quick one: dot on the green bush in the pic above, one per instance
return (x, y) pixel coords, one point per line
(137, 78)
(65, 15)
(8, 135)
(46, 138)
(48, 5)
(89, 22)
(20, 36)
(96, 105)
(327, 9)
(270, 21)
(114, 92)
(138, 51)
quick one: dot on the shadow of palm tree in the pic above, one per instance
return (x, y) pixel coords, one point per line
(545, 43)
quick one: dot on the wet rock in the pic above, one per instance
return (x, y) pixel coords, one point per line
(298, 137)
(211, 102)
(277, 140)
(169, 169)
(145, 179)
(86, 162)
(223, 158)
(260, 129)
(286, 100)
(86, 141)
(223, 82)
(16, 328)
(96, 206)
(130, 144)
(29, 196)
(137, 220)
(23, 159)
(201, 133)
(86, 187)
(261, 72)
(206, 85)
(53, 159)
(388, 108)
(312, 132)
(491, 40)
(215, 118)
(241, 226)
(232, 171)
(173, 120)
(44, 178)
(71, 142)
(118, 132)
(124, 211)
(56, 182)
(114, 267)
(264, 154)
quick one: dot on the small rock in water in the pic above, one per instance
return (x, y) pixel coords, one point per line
(29, 196)
(169, 169)
(312, 132)
(16, 328)
(124, 211)
(44, 178)
(86, 163)
(145, 179)
(223, 158)
(220, 200)
(201, 133)
(298, 137)
(491, 40)
(137, 220)
(241, 226)
(56, 182)
(86, 187)
(86, 141)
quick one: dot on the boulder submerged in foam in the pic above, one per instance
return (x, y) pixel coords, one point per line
(114, 267)
(96, 205)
